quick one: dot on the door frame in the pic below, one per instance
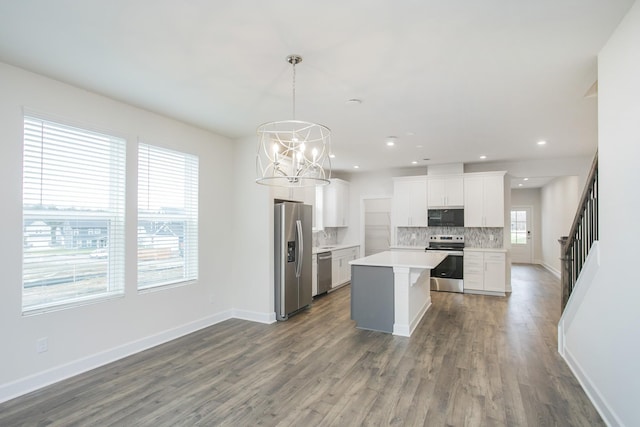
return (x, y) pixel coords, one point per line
(362, 219)
(531, 229)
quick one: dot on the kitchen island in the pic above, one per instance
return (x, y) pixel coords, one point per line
(390, 291)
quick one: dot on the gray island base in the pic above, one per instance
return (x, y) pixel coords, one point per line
(390, 291)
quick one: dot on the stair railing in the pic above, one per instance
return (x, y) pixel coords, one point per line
(584, 231)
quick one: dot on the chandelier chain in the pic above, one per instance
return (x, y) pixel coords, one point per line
(294, 89)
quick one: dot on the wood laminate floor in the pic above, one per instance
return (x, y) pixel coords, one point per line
(473, 361)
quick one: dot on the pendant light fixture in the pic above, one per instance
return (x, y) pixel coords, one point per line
(293, 153)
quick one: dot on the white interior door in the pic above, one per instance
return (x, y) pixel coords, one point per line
(377, 225)
(521, 243)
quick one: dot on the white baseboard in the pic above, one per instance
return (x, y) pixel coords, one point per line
(255, 316)
(42, 379)
(418, 318)
(488, 293)
(605, 411)
(551, 270)
(407, 329)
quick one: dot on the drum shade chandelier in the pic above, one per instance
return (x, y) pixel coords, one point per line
(293, 153)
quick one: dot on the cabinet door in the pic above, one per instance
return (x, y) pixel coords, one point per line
(410, 202)
(493, 195)
(445, 191)
(345, 270)
(352, 254)
(419, 203)
(314, 275)
(401, 204)
(335, 270)
(454, 191)
(336, 203)
(494, 272)
(473, 202)
(436, 193)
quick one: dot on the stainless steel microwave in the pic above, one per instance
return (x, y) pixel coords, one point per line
(445, 217)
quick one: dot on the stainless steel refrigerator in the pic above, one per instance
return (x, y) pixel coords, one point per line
(292, 258)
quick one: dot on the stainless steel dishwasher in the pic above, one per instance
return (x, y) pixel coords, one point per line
(324, 272)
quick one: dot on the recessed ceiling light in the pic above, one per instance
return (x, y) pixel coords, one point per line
(483, 157)
(333, 156)
(353, 101)
(542, 142)
(520, 185)
(390, 143)
(419, 146)
(415, 162)
(356, 167)
(526, 179)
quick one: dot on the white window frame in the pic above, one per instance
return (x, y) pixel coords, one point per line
(167, 217)
(71, 175)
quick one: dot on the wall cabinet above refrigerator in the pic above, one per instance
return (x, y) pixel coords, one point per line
(335, 204)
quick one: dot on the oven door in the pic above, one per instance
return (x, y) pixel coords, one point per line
(447, 276)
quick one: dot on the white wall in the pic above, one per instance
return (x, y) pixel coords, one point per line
(253, 292)
(559, 201)
(83, 337)
(377, 184)
(531, 197)
(603, 338)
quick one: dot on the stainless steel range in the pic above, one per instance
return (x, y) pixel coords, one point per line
(447, 276)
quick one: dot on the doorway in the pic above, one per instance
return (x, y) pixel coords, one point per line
(521, 243)
(377, 225)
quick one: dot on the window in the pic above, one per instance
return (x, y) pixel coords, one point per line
(73, 184)
(519, 227)
(167, 217)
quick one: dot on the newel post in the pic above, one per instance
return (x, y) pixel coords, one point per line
(565, 273)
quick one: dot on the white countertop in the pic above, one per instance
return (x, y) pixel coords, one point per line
(329, 248)
(409, 248)
(485, 250)
(408, 259)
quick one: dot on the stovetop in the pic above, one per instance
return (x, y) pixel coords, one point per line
(445, 242)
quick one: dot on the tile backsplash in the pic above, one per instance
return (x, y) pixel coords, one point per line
(326, 237)
(490, 238)
(473, 237)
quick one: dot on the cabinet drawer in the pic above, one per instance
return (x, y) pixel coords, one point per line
(479, 270)
(473, 282)
(494, 257)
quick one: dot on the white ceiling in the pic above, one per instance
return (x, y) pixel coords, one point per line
(451, 79)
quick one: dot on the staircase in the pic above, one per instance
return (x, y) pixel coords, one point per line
(584, 231)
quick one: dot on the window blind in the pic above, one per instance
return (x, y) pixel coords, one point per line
(167, 216)
(73, 214)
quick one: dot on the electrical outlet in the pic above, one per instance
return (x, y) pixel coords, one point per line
(42, 345)
(492, 237)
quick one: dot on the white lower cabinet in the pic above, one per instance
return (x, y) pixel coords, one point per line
(340, 268)
(314, 275)
(485, 272)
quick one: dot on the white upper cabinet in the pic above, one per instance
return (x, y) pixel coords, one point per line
(409, 207)
(484, 200)
(445, 191)
(336, 204)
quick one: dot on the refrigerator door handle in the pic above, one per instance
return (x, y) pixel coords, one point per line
(300, 248)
